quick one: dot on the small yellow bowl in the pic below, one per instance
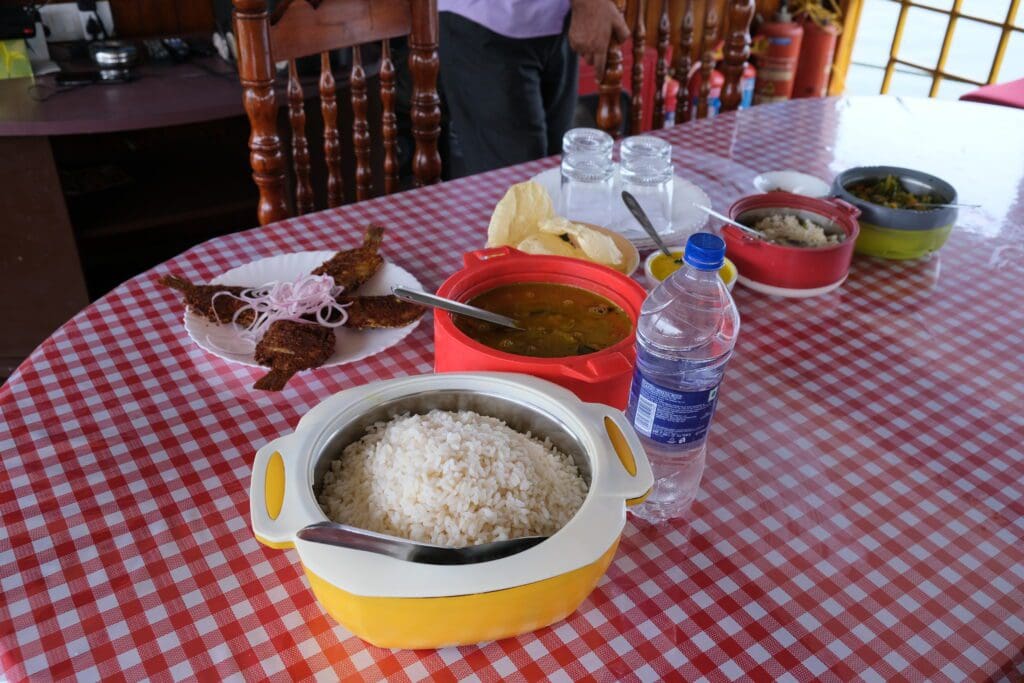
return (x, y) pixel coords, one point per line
(657, 267)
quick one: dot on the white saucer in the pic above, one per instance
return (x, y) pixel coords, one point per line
(686, 219)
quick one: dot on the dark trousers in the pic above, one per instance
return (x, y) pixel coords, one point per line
(509, 100)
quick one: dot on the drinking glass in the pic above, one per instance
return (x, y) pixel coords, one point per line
(646, 173)
(587, 175)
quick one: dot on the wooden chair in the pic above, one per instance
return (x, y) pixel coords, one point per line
(737, 51)
(299, 28)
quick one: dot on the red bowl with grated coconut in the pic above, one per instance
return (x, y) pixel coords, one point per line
(791, 271)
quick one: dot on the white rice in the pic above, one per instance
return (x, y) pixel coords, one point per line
(452, 479)
(787, 228)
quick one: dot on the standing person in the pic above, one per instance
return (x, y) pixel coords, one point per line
(509, 73)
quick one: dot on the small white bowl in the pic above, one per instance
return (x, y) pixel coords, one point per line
(728, 271)
(793, 182)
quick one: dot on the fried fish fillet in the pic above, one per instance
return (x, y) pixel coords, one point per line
(370, 312)
(352, 268)
(201, 300)
(289, 346)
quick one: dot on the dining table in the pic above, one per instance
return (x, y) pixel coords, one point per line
(861, 515)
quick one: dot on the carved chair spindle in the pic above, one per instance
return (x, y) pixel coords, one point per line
(737, 49)
(300, 28)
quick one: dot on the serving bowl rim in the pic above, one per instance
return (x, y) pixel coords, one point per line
(446, 321)
(783, 200)
(879, 215)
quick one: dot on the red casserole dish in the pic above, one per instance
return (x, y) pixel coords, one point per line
(600, 377)
(786, 270)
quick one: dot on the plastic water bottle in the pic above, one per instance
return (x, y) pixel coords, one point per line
(685, 336)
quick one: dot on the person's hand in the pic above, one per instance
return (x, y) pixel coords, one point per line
(594, 23)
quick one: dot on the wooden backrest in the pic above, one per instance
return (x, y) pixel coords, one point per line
(300, 28)
(737, 50)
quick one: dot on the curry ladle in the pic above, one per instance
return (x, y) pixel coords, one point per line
(434, 301)
(344, 536)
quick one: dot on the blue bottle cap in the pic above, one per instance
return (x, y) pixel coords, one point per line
(705, 251)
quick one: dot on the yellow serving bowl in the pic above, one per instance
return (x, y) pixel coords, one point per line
(419, 623)
(657, 267)
(398, 604)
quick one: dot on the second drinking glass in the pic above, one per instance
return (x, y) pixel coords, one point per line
(646, 173)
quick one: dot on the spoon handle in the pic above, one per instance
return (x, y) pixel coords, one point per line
(958, 206)
(425, 299)
(641, 217)
(344, 536)
(729, 221)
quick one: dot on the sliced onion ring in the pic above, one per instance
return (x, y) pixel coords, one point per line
(308, 295)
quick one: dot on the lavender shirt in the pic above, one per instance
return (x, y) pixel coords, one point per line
(512, 18)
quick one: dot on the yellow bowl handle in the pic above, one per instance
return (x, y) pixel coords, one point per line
(273, 523)
(631, 475)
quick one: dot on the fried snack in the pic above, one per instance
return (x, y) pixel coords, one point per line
(596, 246)
(352, 268)
(519, 214)
(289, 346)
(549, 245)
(525, 219)
(200, 299)
(374, 312)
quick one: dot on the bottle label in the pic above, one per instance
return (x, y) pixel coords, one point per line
(671, 416)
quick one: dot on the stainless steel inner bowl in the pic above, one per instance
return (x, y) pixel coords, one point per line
(518, 415)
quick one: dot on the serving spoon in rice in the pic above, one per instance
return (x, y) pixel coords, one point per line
(344, 536)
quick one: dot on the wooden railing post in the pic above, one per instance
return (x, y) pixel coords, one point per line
(426, 105)
(661, 71)
(636, 109)
(389, 122)
(300, 145)
(682, 62)
(737, 50)
(256, 72)
(360, 127)
(332, 139)
(609, 107)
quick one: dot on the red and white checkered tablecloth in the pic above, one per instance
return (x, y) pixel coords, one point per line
(862, 514)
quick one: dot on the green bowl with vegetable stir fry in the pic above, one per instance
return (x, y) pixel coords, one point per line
(899, 218)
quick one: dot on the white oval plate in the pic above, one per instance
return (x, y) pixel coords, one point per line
(349, 345)
(686, 219)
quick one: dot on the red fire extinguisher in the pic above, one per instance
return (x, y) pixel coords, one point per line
(778, 48)
(815, 66)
